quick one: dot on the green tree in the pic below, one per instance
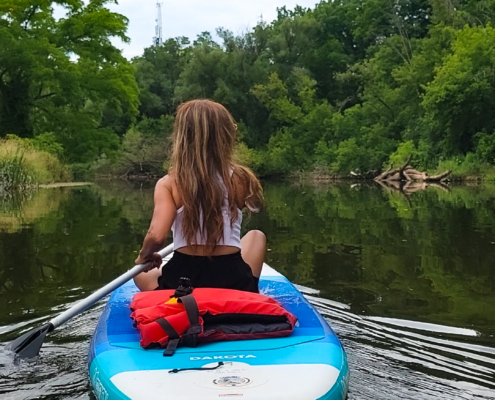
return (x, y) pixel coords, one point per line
(60, 75)
(302, 122)
(345, 85)
(157, 74)
(459, 102)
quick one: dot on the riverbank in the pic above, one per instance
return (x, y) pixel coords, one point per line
(23, 165)
(316, 177)
(65, 184)
(462, 171)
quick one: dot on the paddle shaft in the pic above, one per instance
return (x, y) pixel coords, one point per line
(116, 283)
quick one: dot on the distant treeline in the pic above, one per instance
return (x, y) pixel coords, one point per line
(349, 85)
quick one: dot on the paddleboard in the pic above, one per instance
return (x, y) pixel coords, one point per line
(310, 364)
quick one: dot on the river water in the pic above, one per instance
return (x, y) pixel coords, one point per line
(407, 282)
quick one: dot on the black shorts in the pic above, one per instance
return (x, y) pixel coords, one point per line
(223, 272)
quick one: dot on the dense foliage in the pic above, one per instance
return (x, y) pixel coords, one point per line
(63, 76)
(348, 85)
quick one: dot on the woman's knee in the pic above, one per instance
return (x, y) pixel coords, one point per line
(147, 281)
(256, 236)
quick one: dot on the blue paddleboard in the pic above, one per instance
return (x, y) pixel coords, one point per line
(308, 365)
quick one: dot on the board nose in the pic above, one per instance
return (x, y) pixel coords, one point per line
(234, 379)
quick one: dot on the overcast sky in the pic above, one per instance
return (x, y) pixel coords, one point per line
(191, 17)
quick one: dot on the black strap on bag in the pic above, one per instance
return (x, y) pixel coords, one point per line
(171, 347)
(190, 337)
(192, 310)
(173, 336)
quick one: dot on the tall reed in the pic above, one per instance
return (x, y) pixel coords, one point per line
(22, 166)
(13, 173)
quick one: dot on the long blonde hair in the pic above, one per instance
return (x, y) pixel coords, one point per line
(204, 138)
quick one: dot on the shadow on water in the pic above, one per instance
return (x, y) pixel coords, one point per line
(407, 283)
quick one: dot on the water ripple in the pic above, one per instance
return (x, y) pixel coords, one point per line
(400, 359)
(61, 370)
(389, 359)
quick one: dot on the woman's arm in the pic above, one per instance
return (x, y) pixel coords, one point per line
(163, 217)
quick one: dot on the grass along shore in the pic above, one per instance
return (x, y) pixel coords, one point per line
(23, 166)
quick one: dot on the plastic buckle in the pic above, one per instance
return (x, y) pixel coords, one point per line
(184, 288)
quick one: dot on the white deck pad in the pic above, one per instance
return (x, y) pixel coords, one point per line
(233, 380)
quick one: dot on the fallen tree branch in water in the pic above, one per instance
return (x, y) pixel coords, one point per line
(406, 173)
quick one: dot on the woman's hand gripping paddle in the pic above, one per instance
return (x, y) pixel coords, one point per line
(29, 345)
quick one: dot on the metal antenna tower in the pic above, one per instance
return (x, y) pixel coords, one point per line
(158, 39)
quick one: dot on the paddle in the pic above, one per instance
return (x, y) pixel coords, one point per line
(29, 345)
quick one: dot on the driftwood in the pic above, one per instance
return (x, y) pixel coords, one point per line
(382, 176)
(406, 173)
(439, 177)
(396, 174)
(410, 187)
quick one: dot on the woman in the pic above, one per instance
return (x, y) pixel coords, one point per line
(201, 201)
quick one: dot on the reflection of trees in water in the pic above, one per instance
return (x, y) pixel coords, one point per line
(135, 198)
(81, 237)
(428, 254)
(11, 207)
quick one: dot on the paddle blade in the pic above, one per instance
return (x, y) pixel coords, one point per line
(28, 345)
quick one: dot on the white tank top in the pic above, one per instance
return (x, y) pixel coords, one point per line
(231, 234)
